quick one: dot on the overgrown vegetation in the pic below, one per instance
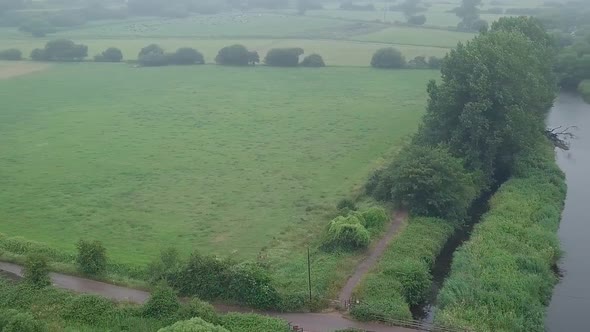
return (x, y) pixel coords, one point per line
(92, 258)
(31, 309)
(584, 89)
(502, 278)
(402, 276)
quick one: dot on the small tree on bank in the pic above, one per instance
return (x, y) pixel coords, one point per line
(36, 271)
(162, 303)
(388, 58)
(91, 259)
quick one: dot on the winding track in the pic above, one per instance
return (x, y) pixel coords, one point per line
(311, 322)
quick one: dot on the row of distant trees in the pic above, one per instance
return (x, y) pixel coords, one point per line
(235, 55)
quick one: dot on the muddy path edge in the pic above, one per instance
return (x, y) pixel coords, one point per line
(367, 264)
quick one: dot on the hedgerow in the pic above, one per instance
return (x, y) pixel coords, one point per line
(236, 322)
(502, 278)
(402, 276)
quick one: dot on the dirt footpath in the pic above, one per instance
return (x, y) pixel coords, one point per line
(19, 68)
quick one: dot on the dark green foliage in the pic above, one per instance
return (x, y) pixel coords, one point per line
(210, 278)
(111, 54)
(502, 278)
(60, 50)
(198, 308)
(374, 218)
(234, 55)
(11, 54)
(388, 58)
(235, 322)
(186, 56)
(22, 322)
(5, 316)
(165, 267)
(91, 259)
(36, 271)
(430, 182)
(152, 56)
(88, 309)
(485, 110)
(193, 325)
(584, 89)
(162, 303)
(417, 20)
(418, 62)
(402, 276)
(313, 60)
(283, 57)
(347, 233)
(346, 204)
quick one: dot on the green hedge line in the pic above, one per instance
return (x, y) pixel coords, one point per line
(59, 310)
(584, 90)
(402, 276)
(502, 278)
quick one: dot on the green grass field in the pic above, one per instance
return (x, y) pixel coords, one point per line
(213, 158)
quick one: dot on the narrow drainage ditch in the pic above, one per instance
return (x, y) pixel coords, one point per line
(424, 312)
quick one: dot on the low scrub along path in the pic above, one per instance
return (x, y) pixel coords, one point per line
(311, 322)
(376, 252)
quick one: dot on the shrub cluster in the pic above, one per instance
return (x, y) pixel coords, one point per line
(353, 229)
(402, 276)
(91, 259)
(502, 278)
(111, 54)
(153, 56)
(584, 89)
(211, 278)
(60, 50)
(391, 58)
(283, 57)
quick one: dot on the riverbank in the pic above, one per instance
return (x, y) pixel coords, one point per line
(502, 278)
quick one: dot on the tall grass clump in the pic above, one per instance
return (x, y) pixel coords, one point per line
(502, 278)
(402, 276)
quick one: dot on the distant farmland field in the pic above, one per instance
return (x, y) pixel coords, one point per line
(219, 159)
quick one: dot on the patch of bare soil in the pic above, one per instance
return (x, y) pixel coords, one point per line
(20, 68)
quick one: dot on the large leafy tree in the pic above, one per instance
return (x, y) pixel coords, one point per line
(493, 98)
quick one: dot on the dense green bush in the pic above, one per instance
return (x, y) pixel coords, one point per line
(36, 271)
(346, 204)
(388, 58)
(429, 182)
(374, 217)
(283, 57)
(502, 278)
(198, 308)
(236, 322)
(111, 54)
(313, 60)
(434, 62)
(347, 233)
(186, 56)
(193, 325)
(210, 278)
(60, 50)
(91, 258)
(11, 54)
(402, 276)
(88, 309)
(23, 322)
(234, 55)
(162, 303)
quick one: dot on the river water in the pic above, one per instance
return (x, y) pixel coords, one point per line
(570, 306)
